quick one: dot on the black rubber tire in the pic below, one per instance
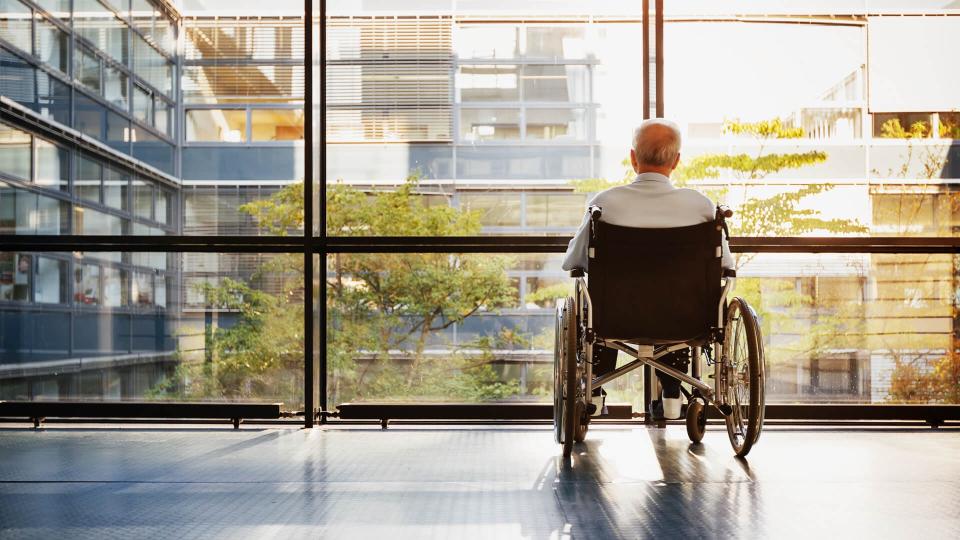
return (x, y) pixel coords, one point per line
(565, 376)
(558, 373)
(696, 420)
(742, 337)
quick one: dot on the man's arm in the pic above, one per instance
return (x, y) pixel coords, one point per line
(576, 256)
(727, 260)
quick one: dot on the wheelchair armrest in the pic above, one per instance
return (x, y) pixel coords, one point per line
(577, 272)
(729, 272)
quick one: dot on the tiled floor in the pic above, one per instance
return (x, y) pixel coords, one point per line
(474, 482)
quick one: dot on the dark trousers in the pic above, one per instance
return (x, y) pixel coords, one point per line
(605, 361)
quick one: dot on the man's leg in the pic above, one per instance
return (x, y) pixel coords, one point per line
(604, 361)
(678, 360)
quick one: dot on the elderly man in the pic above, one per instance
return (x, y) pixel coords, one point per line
(650, 201)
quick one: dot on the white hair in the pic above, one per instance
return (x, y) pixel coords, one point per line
(657, 151)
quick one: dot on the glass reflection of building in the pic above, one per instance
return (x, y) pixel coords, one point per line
(137, 118)
(87, 137)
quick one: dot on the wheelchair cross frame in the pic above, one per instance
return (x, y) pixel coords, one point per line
(647, 354)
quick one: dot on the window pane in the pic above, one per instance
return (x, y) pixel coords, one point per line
(152, 66)
(15, 23)
(556, 124)
(53, 45)
(555, 83)
(15, 270)
(163, 116)
(116, 87)
(90, 116)
(17, 83)
(25, 212)
(488, 83)
(142, 105)
(115, 287)
(87, 69)
(87, 284)
(555, 210)
(53, 166)
(92, 222)
(216, 125)
(142, 199)
(163, 206)
(94, 22)
(276, 125)
(89, 175)
(118, 132)
(53, 99)
(14, 152)
(115, 186)
(489, 124)
(496, 210)
(50, 282)
(143, 289)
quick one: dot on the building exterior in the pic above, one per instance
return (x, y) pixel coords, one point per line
(146, 118)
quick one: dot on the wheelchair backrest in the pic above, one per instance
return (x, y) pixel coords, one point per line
(655, 285)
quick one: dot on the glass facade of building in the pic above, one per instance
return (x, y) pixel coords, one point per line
(494, 119)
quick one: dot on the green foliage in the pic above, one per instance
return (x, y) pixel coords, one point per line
(382, 309)
(891, 129)
(546, 296)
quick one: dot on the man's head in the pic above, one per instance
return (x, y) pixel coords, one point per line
(656, 147)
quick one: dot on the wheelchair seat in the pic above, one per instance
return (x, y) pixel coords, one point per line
(655, 286)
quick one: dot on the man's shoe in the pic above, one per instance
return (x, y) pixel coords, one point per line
(671, 408)
(602, 408)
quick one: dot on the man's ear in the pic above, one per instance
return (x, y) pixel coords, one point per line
(675, 163)
(633, 161)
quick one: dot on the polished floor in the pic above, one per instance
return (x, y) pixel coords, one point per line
(474, 482)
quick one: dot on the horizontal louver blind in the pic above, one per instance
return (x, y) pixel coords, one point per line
(247, 59)
(389, 79)
(253, 39)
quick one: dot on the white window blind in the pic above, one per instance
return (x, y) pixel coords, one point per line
(389, 79)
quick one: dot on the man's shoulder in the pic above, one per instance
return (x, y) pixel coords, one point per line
(694, 197)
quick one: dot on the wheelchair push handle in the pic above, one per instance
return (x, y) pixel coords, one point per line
(724, 211)
(594, 211)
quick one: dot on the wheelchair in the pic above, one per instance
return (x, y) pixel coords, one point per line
(651, 292)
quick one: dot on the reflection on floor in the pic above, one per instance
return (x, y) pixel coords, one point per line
(475, 482)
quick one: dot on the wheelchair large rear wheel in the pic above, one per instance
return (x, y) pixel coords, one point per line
(565, 402)
(742, 376)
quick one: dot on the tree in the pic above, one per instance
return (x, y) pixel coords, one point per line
(382, 309)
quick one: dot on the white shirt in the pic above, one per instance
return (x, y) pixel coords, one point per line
(650, 202)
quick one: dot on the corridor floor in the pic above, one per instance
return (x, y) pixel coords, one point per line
(136, 481)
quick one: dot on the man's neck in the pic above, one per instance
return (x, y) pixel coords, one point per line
(661, 171)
